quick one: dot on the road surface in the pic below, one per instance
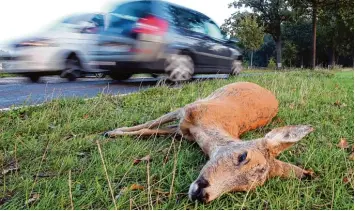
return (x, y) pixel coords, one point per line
(18, 91)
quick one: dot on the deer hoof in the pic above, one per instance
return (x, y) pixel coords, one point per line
(308, 175)
(106, 134)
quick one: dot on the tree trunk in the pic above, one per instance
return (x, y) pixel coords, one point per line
(314, 23)
(333, 58)
(251, 60)
(302, 61)
(278, 52)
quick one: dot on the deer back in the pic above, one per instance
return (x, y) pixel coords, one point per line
(234, 108)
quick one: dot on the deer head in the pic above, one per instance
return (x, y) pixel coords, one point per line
(242, 166)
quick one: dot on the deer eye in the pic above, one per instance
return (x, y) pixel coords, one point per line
(242, 157)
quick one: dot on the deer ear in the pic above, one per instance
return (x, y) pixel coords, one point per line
(282, 138)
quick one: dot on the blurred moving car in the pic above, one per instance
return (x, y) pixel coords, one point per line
(147, 36)
(62, 49)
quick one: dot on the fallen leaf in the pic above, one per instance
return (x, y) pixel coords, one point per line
(34, 197)
(86, 116)
(351, 157)
(162, 192)
(146, 158)
(345, 180)
(349, 177)
(6, 197)
(136, 187)
(279, 120)
(292, 106)
(11, 167)
(43, 175)
(339, 104)
(343, 144)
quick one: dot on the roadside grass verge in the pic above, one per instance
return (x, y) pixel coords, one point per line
(53, 143)
(5, 75)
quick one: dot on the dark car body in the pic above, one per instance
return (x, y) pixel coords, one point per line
(141, 35)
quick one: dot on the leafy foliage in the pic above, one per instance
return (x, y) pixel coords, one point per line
(291, 22)
(271, 64)
(289, 52)
(250, 33)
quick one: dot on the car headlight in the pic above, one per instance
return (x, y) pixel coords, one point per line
(37, 43)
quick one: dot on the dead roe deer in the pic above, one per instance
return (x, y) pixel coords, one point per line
(216, 124)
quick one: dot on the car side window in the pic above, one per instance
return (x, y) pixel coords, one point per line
(213, 30)
(98, 20)
(186, 19)
(134, 10)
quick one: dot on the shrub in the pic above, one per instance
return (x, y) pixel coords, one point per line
(271, 64)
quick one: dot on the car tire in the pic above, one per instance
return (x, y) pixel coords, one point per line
(121, 76)
(100, 75)
(236, 67)
(179, 67)
(72, 69)
(154, 75)
(34, 77)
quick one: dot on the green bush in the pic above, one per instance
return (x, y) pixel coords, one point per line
(271, 64)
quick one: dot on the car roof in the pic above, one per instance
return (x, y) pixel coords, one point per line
(166, 2)
(178, 5)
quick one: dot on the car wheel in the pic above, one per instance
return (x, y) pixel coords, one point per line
(236, 67)
(119, 77)
(72, 69)
(100, 75)
(34, 77)
(179, 67)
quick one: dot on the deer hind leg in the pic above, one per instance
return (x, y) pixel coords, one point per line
(145, 132)
(148, 125)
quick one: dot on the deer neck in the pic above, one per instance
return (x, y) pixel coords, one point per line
(210, 140)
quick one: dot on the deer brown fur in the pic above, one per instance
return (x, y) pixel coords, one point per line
(216, 124)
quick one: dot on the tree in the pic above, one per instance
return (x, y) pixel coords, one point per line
(336, 30)
(289, 52)
(250, 34)
(299, 33)
(313, 8)
(271, 13)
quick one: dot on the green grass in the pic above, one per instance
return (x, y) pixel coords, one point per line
(5, 75)
(61, 136)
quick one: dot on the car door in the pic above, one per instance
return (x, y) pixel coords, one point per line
(219, 54)
(118, 39)
(90, 34)
(189, 32)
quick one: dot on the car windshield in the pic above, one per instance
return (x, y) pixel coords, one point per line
(75, 20)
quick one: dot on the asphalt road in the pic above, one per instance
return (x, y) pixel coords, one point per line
(18, 91)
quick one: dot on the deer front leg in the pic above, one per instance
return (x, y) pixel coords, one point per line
(287, 170)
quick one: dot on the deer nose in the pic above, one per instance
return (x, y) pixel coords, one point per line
(197, 190)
